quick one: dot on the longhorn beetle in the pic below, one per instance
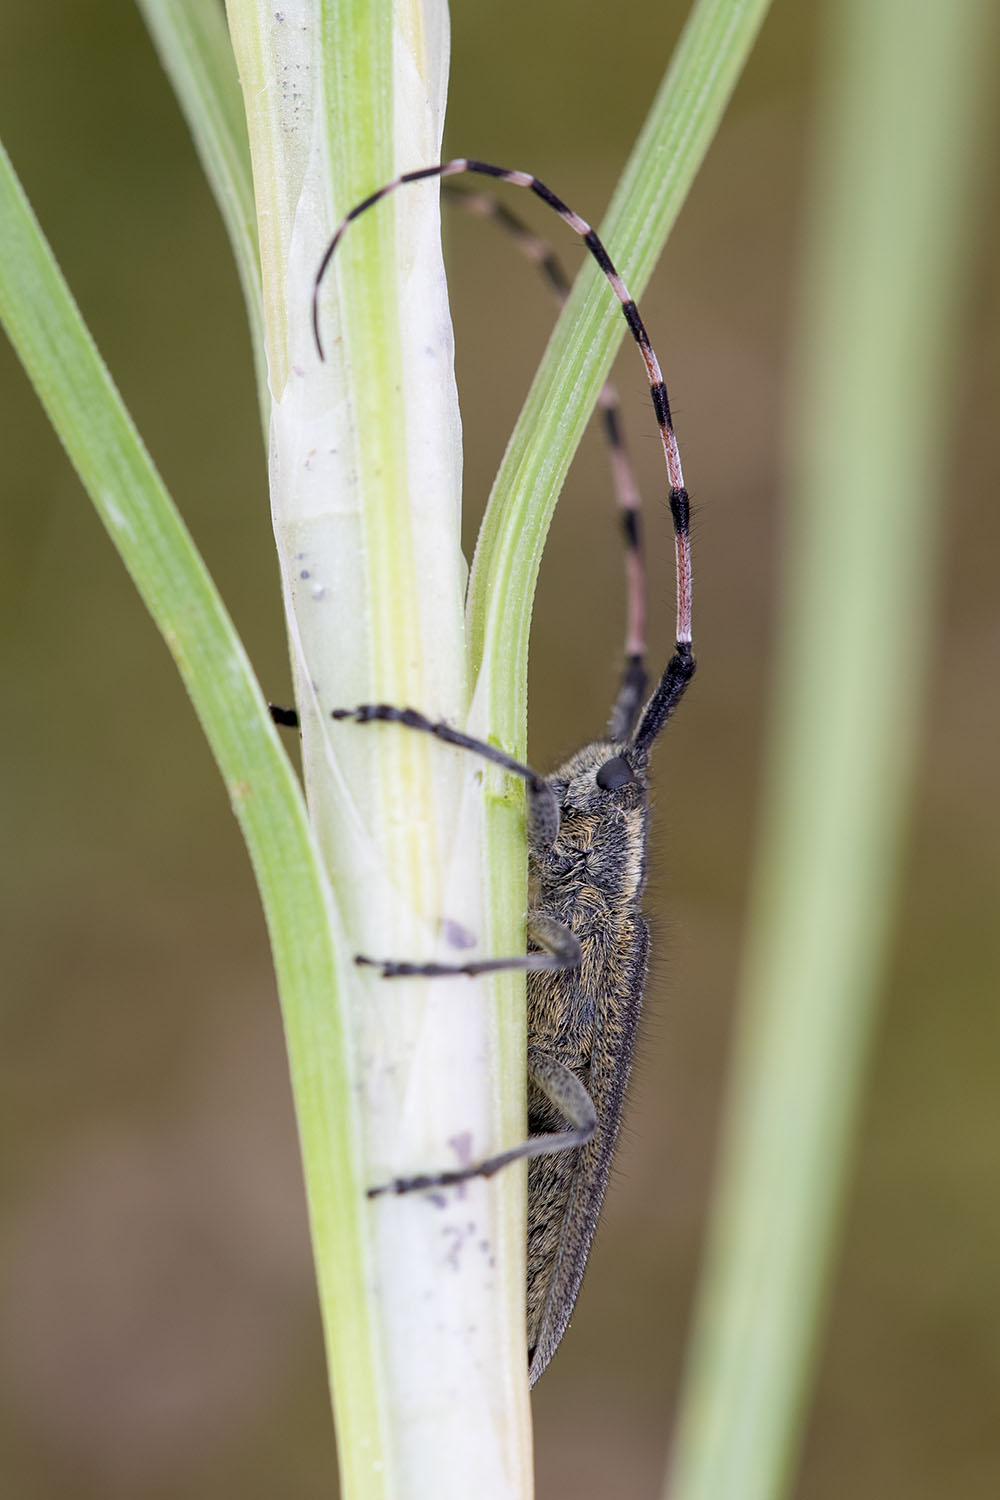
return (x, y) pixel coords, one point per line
(587, 837)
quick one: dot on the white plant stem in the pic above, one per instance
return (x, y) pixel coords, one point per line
(365, 485)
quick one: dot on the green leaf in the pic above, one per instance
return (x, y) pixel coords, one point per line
(678, 131)
(45, 328)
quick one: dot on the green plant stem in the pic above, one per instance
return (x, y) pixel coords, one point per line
(883, 265)
(678, 131)
(86, 410)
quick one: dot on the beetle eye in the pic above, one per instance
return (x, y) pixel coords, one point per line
(615, 773)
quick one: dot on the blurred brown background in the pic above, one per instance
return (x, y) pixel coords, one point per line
(158, 1326)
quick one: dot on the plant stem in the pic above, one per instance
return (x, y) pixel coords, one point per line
(716, 42)
(883, 265)
(365, 467)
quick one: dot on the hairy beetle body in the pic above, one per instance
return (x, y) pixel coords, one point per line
(590, 881)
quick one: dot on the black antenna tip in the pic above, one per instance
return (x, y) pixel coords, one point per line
(315, 322)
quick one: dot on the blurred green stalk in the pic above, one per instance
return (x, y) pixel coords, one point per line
(887, 230)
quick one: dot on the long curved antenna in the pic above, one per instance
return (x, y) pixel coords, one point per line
(541, 254)
(681, 666)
